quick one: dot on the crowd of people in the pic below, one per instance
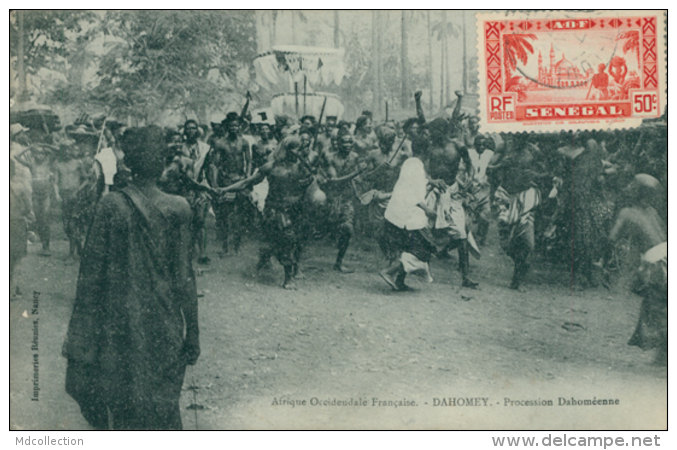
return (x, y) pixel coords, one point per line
(421, 189)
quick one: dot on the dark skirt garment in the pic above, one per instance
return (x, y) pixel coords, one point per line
(651, 283)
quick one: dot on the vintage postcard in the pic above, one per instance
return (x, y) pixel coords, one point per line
(563, 70)
(344, 220)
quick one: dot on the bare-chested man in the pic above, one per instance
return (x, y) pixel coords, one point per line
(480, 202)
(341, 168)
(72, 174)
(229, 161)
(365, 138)
(322, 142)
(517, 197)
(264, 147)
(449, 227)
(185, 176)
(39, 158)
(289, 180)
(641, 223)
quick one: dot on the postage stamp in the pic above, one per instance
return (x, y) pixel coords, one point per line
(561, 70)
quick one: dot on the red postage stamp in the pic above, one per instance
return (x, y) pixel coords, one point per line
(561, 70)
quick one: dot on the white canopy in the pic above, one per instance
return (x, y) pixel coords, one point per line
(290, 63)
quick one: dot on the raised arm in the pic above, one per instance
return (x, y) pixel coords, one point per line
(419, 108)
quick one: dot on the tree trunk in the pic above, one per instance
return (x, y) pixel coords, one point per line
(273, 27)
(443, 60)
(405, 60)
(430, 58)
(465, 58)
(374, 58)
(447, 76)
(20, 68)
(336, 29)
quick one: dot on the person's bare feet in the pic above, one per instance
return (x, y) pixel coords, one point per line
(298, 274)
(290, 286)
(343, 269)
(469, 283)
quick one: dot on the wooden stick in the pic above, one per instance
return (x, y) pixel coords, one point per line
(324, 103)
(296, 97)
(386, 111)
(103, 128)
(305, 88)
(392, 158)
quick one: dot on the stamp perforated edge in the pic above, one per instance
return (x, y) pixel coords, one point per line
(515, 127)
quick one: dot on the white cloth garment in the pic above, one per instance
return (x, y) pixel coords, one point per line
(409, 191)
(109, 164)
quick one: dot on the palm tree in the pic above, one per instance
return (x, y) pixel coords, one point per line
(465, 57)
(376, 60)
(20, 64)
(443, 30)
(405, 59)
(631, 38)
(430, 56)
(515, 48)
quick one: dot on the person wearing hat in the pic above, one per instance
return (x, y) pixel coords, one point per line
(229, 161)
(134, 326)
(640, 222)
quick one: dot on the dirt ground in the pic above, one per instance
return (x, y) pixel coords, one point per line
(405, 358)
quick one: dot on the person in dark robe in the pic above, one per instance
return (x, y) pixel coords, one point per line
(134, 325)
(586, 215)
